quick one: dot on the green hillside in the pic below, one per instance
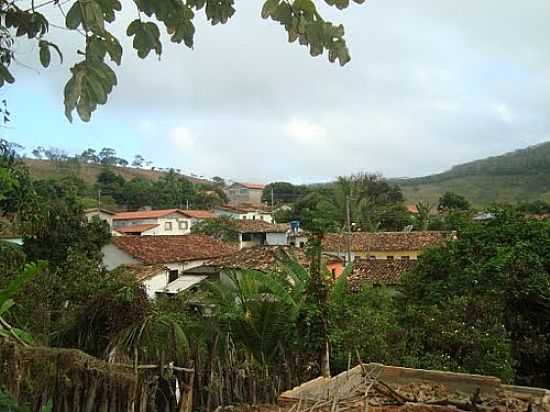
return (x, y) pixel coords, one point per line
(88, 172)
(521, 175)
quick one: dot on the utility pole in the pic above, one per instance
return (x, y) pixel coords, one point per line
(348, 224)
(187, 204)
(272, 198)
(99, 200)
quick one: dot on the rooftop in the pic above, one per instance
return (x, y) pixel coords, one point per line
(245, 208)
(256, 186)
(260, 226)
(99, 210)
(378, 271)
(259, 258)
(385, 241)
(198, 214)
(145, 214)
(183, 283)
(135, 228)
(165, 249)
(144, 272)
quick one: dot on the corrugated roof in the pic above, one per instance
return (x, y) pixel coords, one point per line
(378, 271)
(145, 214)
(165, 249)
(183, 283)
(136, 228)
(385, 241)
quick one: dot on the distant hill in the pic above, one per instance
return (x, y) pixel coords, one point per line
(45, 169)
(521, 175)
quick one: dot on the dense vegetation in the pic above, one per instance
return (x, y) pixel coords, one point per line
(479, 304)
(519, 176)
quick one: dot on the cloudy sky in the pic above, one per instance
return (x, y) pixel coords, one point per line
(431, 83)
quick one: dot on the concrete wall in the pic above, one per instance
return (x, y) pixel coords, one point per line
(155, 284)
(161, 229)
(239, 194)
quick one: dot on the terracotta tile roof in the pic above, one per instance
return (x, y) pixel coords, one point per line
(198, 214)
(378, 271)
(259, 258)
(385, 241)
(245, 208)
(260, 226)
(96, 210)
(136, 228)
(165, 249)
(412, 209)
(145, 214)
(257, 186)
(144, 272)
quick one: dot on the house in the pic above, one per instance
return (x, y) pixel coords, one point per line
(159, 279)
(157, 222)
(101, 214)
(384, 245)
(239, 193)
(176, 253)
(260, 233)
(378, 272)
(244, 212)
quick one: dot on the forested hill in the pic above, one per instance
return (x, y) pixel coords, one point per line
(521, 175)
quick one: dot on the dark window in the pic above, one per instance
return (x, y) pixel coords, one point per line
(172, 275)
(389, 257)
(405, 257)
(333, 271)
(247, 237)
(302, 244)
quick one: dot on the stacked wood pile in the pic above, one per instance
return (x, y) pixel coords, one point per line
(378, 388)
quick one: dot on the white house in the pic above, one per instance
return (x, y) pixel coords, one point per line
(157, 222)
(244, 212)
(260, 233)
(161, 260)
(101, 214)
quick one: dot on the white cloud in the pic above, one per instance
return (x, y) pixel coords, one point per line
(305, 131)
(182, 139)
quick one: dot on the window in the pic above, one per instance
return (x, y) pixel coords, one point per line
(172, 275)
(183, 225)
(302, 244)
(168, 226)
(244, 217)
(389, 257)
(253, 217)
(333, 272)
(247, 237)
(262, 217)
(405, 257)
(243, 191)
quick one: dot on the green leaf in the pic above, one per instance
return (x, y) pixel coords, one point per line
(269, 7)
(5, 75)
(74, 16)
(45, 55)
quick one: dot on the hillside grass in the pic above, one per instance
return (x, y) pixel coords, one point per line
(482, 190)
(48, 169)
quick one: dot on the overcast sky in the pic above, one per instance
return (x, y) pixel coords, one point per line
(431, 83)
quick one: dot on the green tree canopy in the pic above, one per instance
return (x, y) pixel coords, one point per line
(453, 201)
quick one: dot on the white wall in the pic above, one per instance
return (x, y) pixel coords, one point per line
(161, 222)
(113, 257)
(155, 284)
(276, 239)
